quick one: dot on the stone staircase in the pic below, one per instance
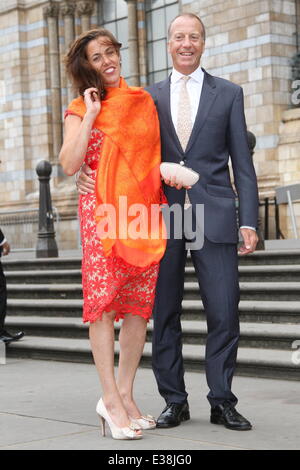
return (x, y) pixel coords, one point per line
(45, 300)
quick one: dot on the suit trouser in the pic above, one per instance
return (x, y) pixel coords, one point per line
(216, 267)
(3, 297)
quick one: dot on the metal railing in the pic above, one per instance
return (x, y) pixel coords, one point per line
(20, 227)
(267, 202)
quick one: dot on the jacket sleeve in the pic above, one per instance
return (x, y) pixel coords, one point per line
(243, 169)
(2, 238)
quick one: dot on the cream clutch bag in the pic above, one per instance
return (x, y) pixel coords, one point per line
(185, 176)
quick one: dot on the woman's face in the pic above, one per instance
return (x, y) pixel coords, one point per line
(104, 58)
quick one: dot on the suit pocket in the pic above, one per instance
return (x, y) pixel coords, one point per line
(220, 191)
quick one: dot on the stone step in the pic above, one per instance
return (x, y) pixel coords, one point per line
(270, 257)
(266, 257)
(263, 335)
(44, 276)
(250, 310)
(270, 363)
(268, 273)
(42, 263)
(44, 291)
(288, 291)
(273, 257)
(259, 273)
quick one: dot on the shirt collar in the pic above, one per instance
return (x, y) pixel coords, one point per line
(197, 75)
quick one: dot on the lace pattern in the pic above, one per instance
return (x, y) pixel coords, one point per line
(109, 284)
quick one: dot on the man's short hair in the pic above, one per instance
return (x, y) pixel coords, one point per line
(189, 15)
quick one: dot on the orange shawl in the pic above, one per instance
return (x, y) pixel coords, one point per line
(129, 167)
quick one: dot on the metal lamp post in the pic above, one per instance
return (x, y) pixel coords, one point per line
(46, 245)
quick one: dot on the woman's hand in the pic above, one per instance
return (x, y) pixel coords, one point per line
(92, 101)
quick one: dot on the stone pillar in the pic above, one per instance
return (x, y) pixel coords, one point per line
(51, 13)
(85, 9)
(142, 41)
(133, 43)
(67, 9)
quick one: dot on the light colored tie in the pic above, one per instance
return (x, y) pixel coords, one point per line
(184, 122)
(184, 119)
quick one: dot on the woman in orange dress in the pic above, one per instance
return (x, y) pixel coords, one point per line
(114, 129)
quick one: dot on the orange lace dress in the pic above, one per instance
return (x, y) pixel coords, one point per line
(109, 283)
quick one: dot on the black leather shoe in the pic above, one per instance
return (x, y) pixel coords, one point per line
(8, 338)
(227, 415)
(172, 415)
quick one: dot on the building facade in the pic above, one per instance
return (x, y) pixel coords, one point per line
(250, 42)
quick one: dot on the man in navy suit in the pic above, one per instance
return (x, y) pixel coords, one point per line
(4, 335)
(218, 131)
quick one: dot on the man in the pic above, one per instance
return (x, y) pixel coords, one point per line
(4, 335)
(202, 123)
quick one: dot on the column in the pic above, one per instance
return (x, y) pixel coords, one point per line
(133, 43)
(85, 9)
(142, 41)
(51, 12)
(67, 9)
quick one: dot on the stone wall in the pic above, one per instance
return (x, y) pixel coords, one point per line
(249, 42)
(34, 92)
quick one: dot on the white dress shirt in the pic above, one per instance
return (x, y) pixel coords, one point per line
(194, 89)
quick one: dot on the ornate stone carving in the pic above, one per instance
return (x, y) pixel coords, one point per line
(51, 10)
(67, 8)
(85, 7)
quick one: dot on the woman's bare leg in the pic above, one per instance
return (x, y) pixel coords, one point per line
(102, 342)
(132, 340)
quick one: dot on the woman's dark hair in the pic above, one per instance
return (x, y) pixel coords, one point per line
(79, 70)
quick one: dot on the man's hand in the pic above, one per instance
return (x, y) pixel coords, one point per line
(85, 184)
(250, 241)
(5, 248)
(174, 184)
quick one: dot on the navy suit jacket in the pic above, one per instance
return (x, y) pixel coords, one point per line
(219, 132)
(1, 240)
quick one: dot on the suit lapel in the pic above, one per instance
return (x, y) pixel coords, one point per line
(207, 98)
(165, 110)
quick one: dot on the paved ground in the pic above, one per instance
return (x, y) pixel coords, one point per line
(51, 405)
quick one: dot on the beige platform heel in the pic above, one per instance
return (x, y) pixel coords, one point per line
(144, 422)
(129, 432)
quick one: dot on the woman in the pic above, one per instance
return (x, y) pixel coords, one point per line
(114, 129)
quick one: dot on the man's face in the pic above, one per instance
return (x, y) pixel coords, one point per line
(186, 44)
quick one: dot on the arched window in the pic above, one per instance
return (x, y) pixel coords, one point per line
(159, 14)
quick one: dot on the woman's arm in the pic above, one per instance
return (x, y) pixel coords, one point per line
(77, 134)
